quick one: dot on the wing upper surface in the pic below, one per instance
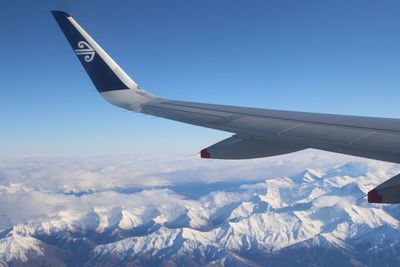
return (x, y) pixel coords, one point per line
(377, 138)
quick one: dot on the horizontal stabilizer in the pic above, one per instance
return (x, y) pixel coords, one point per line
(387, 192)
(236, 147)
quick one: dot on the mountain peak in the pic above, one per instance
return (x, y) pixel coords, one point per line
(278, 220)
(308, 176)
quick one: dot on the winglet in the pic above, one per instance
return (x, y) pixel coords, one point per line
(59, 13)
(109, 78)
(102, 70)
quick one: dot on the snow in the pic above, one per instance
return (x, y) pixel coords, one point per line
(317, 206)
(19, 248)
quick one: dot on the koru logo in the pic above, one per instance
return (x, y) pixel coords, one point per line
(84, 49)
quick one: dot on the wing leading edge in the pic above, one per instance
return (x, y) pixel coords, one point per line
(256, 132)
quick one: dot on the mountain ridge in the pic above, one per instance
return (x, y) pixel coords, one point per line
(286, 221)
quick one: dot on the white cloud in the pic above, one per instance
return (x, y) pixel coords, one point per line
(97, 173)
(35, 188)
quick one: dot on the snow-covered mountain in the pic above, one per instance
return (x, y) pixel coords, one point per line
(314, 218)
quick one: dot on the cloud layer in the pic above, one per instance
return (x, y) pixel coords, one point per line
(34, 188)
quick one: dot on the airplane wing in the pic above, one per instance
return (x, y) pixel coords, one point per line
(256, 132)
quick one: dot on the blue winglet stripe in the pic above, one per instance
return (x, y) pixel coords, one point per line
(99, 72)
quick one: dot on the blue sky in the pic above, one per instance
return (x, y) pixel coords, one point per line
(320, 56)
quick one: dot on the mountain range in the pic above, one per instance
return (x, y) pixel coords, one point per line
(319, 217)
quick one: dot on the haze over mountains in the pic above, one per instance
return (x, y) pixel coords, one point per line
(297, 210)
